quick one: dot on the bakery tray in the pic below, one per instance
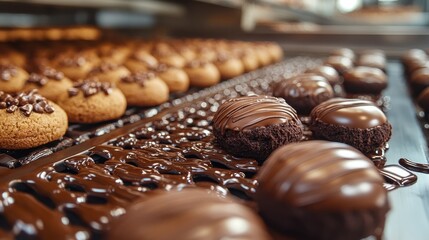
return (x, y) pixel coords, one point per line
(93, 174)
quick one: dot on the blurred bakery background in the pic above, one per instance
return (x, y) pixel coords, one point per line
(300, 26)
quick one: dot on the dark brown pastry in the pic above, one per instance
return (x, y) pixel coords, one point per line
(322, 190)
(356, 122)
(254, 126)
(419, 80)
(304, 92)
(329, 73)
(365, 80)
(188, 214)
(344, 52)
(340, 63)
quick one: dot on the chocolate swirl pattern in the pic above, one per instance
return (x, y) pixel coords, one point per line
(251, 112)
(353, 113)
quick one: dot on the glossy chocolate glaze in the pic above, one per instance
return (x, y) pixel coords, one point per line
(327, 72)
(320, 169)
(418, 167)
(398, 175)
(191, 214)
(251, 112)
(315, 184)
(351, 113)
(365, 80)
(304, 91)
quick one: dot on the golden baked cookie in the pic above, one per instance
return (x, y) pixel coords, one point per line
(12, 78)
(202, 74)
(228, 66)
(140, 61)
(29, 120)
(74, 67)
(176, 79)
(109, 72)
(144, 89)
(91, 102)
(50, 83)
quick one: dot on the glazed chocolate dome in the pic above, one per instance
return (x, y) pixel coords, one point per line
(365, 80)
(254, 126)
(327, 72)
(304, 92)
(188, 214)
(322, 190)
(356, 122)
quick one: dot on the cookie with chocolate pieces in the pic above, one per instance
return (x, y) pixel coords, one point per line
(90, 101)
(29, 120)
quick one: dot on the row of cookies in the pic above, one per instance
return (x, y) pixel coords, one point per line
(91, 89)
(179, 63)
(52, 33)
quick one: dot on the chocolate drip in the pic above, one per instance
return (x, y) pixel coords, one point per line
(413, 166)
(398, 175)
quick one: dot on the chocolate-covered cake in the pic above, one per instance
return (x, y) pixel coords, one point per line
(304, 91)
(254, 126)
(322, 190)
(340, 63)
(365, 80)
(188, 214)
(356, 122)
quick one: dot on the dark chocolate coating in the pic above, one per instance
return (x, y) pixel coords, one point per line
(344, 52)
(254, 126)
(341, 64)
(419, 80)
(372, 60)
(322, 190)
(423, 101)
(327, 72)
(304, 92)
(188, 214)
(356, 122)
(365, 80)
(251, 112)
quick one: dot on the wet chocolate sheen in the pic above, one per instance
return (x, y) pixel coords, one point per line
(367, 80)
(304, 91)
(353, 113)
(322, 175)
(254, 111)
(188, 214)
